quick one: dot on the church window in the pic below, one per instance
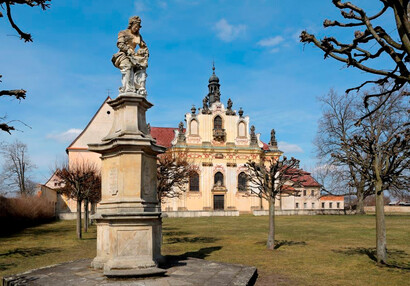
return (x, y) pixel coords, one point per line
(323, 205)
(242, 129)
(194, 127)
(338, 205)
(242, 182)
(219, 179)
(312, 193)
(297, 205)
(305, 205)
(313, 205)
(218, 122)
(194, 182)
(330, 205)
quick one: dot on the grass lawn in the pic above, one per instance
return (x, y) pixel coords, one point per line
(312, 250)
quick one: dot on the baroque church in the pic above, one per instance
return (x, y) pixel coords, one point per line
(218, 140)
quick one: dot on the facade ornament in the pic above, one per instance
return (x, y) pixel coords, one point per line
(254, 139)
(240, 112)
(193, 110)
(149, 128)
(273, 143)
(229, 110)
(181, 132)
(205, 108)
(133, 64)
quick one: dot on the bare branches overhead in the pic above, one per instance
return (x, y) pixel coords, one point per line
(394, 46)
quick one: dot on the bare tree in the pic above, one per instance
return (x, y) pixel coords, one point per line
(79, 182)
(270, 179)
(17, 93)
(384, 138)
(92, 195)
(173, 170)
(17, 167)
(393, 47)
(335, 127)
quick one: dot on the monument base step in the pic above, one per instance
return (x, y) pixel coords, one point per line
(134, 272)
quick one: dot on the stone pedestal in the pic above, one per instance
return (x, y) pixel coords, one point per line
(128, 216)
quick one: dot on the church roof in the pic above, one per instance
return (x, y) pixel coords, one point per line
(163, 135)
(332, 198)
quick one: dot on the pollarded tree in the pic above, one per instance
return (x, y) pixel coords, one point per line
(384, 138)
(17, 93)
(173, 171)
(270, 178)
(393, 48)
(79, 182)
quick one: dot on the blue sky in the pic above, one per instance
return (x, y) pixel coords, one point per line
(262, 67)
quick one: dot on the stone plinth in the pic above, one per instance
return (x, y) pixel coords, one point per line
(128, 217)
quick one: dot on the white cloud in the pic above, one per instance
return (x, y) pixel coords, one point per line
(271, 42)
(227, 32)
(140, 6)
(290, 148)
(274, 50)
(66, 136)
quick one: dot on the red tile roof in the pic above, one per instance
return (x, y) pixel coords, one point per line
(163, 135)
(309, 181)
(332, 198)
(265, 146)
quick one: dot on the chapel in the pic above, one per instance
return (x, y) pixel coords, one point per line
(218, 140)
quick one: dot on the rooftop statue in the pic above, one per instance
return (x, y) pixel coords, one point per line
(133, 64)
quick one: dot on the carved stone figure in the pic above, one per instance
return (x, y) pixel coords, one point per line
(133, 64)
(229, 110)
(181, 132)
(205, 108)
(273, 141)
(254, 139)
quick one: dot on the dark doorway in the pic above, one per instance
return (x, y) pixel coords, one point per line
(218, 202)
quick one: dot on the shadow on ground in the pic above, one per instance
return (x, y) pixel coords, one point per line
(29, 252)
(5, 266)
(197, 239)
(280, 243)
(177, 260)
(395, 256)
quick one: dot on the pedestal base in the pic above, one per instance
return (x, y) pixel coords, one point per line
(128, 244)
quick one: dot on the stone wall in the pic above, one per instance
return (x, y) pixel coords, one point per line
(303, 212)
(390, 209)
(199, 213)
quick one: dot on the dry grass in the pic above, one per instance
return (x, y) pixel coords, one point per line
(312, 250)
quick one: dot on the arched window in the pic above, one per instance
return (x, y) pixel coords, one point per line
(194, 182)
(219, 179)
(194, 127)
(242, 182)
(242, 129)
(218, 122)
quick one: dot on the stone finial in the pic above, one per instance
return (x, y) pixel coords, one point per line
(181, 132)
(149, 128)
(229, 110)
(193, 110)
(240, 112)
(254, 139)
(273, 143)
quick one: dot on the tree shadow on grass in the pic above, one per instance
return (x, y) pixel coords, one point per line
(36, 230)
(186, 239)
(5, 266)
(175, 233)
(280, 243)
(393, 255)
(177, 260)
(30, 252)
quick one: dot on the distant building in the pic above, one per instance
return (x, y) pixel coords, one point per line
(219, 141)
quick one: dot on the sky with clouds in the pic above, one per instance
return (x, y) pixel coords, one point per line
(67, 70)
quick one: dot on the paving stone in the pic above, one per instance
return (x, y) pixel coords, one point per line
(179, 272)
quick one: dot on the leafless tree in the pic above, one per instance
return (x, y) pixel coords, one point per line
(17, 93)
(173, 170)
(392, 47)
(335, 127)
(384, 137)
(80, 181)
(270, 179)
(16, 169)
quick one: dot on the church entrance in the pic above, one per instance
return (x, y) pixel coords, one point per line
(219, 202)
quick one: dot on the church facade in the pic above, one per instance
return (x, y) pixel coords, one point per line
(218, 141)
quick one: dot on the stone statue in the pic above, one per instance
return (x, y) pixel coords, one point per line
(273, 141)
(254, 139)
(205, 108)
(229, 110)
(133, 64)
(181, 132)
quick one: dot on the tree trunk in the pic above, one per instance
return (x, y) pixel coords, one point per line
(79, 234)
(271, 236)
(92, 212)
(86, 215)
(380, 226)
(360, 201)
